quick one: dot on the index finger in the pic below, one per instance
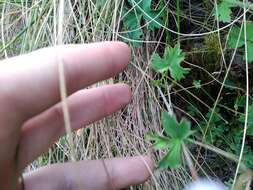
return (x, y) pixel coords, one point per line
(33, 78)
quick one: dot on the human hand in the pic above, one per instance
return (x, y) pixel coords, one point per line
(31, 118)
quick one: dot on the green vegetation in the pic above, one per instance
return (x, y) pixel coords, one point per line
(177, 134)
(170, 61)
(237, 39)
(224, 12)
(139, 11)
(191, 74)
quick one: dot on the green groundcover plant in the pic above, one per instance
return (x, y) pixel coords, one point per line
(170, 61)
(176, 136)
(237, 39)
(139, 11)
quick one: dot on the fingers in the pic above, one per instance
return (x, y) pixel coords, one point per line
(35, 86)
(85, 106)
(116, 173)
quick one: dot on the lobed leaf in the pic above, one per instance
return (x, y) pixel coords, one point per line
(197, 84)
(173, 158)
(160, 142)
(175, 56)
(170, 61)
(170, 125)
(174, 129)
(236, 39)
(223, 11)
(178, 133)
(141, 9)
(185, 129)
(158, 64)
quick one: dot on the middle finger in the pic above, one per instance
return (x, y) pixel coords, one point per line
(86, 106)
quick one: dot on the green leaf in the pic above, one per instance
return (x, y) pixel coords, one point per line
(197, 84)
(175, 56)
(159, 64)
(152, 137)
(174, 129)
(146, 4)
(170, 125)
(170, 61)
(249, 51)
(224, 11)
(173, 158)
(153, 17)
(185, 129)
(235, 36)
(141, 9)
(131, 22)
(178, 133)
(160, 142)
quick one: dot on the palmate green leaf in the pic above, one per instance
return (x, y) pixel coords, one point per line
(158, 64)
(160, 142)
(175, 56)
(170, 125)
(177, 135)
(235, 36)
(185, 129)
(152, 17)
(224, 11)
(153, 20)
(174, 129)
(131, 21)
(173, 158)
(197, 84)
(170, 61)
(146, 4)
(141, 9)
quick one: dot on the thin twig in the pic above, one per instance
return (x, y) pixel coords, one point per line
(62, 81)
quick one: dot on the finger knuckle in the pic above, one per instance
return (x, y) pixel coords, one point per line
(57, 112)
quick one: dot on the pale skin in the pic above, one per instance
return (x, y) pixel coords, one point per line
(31, 118)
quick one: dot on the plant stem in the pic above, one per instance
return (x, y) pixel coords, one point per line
(218, 151)
(248, 5)
(62, 81)
(188, 159)
(178, 18)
